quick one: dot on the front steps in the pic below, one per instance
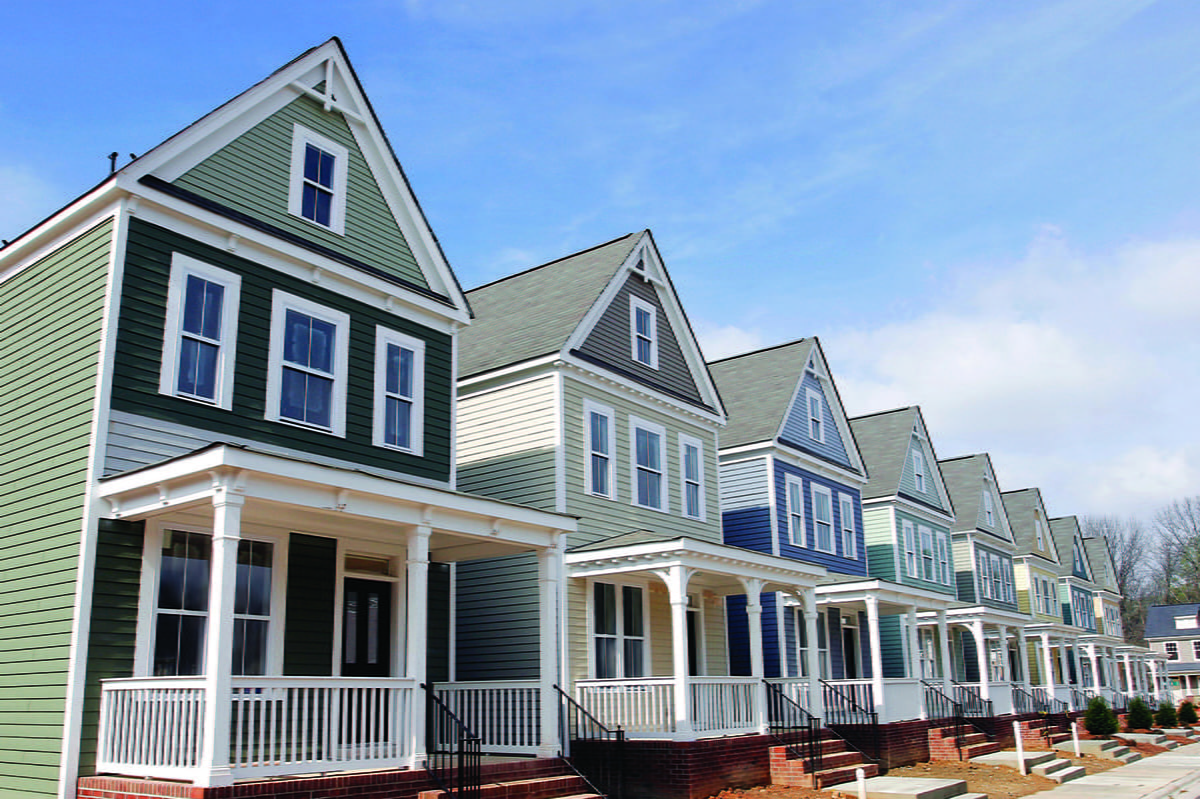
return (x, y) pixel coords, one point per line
(838, 764)
(1044, 764)
(943, 745)
(1041, 735)
(913, 788)
(1099, 747)
(1152, 738)
(533, 779)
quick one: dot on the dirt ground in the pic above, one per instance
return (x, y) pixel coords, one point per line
(997, 782)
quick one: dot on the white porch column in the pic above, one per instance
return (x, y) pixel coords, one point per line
(1005, 669)
(1078, 663)
(754, 587)
(1093, 666)
(1129, 688)
(1023, 656)
(816, 699)
(944, 650)
(417, 628)
(872, 603)
(549, 564)
(1047, 666)
(1154, 678)
(676, 578)
(981, 658)
(218, 646)
(914, 647)
(1062, 664)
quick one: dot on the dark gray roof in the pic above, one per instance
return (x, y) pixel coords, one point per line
(757, 389)
(1065, 529)
(1019, 506)
(964, 480)
(883, 440)
(533, 313)
(1160, 621)
(1183, 668)
(1100, 558)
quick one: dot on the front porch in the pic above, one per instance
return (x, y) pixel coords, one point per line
(291, 616)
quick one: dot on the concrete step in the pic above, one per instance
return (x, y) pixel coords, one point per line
(836, 776)
(1051, 766)
(1066, 774)
(1094, 746)
(1180, 732)
(1008, 758)
(914, 788)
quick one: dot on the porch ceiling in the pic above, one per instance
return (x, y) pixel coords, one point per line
(296, 495)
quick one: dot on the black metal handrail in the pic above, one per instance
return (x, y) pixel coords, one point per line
(787, 716)
(855, 724)
(1045, 703)
(604, 770)
(455, 760)
(1023, 701)
(972, 701)
(940, 707)
(1079, 699)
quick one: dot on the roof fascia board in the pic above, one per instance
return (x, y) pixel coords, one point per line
(610, 381)
(82, 214)
(512, 373)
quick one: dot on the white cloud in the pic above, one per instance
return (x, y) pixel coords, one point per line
(1069, 368)
(720, 341)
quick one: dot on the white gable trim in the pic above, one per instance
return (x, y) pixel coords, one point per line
(832, 400)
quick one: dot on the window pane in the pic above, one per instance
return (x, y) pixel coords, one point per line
(693, 500)
(291, 394)
(253, 592)
(606, 658)
(605, 609)
(178, 645)
(295, 337)
(634, 658)
(631, 598)
(648, 489)
(600, 475)
(406, 373)
(312, 163)
(599, 432)
(318, 401)
(691, 463)
(321, 352)
(326, 176)
(323, 203)
(249, 646)
(183, 571)
(197, 368)
(398, 422)
(643, 322)
(643, 350)
(821, 507)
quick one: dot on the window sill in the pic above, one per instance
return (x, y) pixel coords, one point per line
(329, 431)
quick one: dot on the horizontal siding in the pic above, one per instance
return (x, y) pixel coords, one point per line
(833, 561)
(140, 337)
(50, 318)
(578, 666)
(252, 175)
(964, 569)
(716, 657)
(921, 582)
(507, 441)
(602, 518)
(880, 544)
(892, 645)
(497, 618)
(746, 513)
(796, 430)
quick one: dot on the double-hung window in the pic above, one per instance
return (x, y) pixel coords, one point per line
(910, 548)
(918, 469)
(816, 415)
(600, 444)
(691, 468)
(1196, 650)
(306, 383)
(927, 554)
(648, 442)
(944, 570)
(199, 337)
(399, 391)
(989, 508)
(318, 179)
(985, 577)
(997, 579)
(618, 631)
(643, 332)
(794, 489)
(822, 510)
(1172, 650)
(849, 535)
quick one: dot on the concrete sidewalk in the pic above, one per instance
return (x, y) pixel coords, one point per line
(1174, 773)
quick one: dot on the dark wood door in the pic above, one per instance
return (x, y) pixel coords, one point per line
(366, 628)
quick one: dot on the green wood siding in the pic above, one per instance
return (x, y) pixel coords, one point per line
(437, 664)
(140, 336)
(113, 633)
(908, 483)
(50, 318)
(252, 175)
(964, 568)
(311, 593)
(497, 618)
(881, 547)
(892, 646)
(602, 518)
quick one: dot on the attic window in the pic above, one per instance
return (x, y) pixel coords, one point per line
(989, 510)
(643, 332)
(918, 468)
(1185, 623)
(318, 180)
(816, 416)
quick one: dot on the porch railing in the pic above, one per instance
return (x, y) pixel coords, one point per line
(1079, 699)
(723, 704)
(646, 705)
(504, 715)
(972, 701)
(850, 718)
(153, 727)
(1045, 703)
(1022, 700)
(454, 759)
(784, 716)
(602, 765)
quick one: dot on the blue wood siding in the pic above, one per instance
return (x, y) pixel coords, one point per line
(795, 427)
(835, 561)
(738, 632)
(833, 619)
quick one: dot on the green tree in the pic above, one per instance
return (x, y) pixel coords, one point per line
(1138, 717)
(1187, 714)
(1099, 718)
(1165, 717)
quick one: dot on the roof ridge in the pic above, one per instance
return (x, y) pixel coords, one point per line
(881, 413)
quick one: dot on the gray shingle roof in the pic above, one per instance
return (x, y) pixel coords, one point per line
(533, 313)
(964, 481)
(883, 440)
(1065, 529)
(757, 389)
(1100, 557)
(1020, 505)
(1160, 621)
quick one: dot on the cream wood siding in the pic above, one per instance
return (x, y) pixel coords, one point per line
(716, 652)
(1021, 580)
(507, 443)
(877, 535)
(964, 570)
(744, 484)
(603, 518)
(661, 662)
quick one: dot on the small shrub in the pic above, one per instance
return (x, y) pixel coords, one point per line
(1099, 718)
(1138, 717)
(1165, 717)
(1187, 714)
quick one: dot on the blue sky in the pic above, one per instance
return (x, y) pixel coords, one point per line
(987, 209)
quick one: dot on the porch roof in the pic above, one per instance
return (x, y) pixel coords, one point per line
(987, 615)
(290, 492)
(893, 597)
(717, 567)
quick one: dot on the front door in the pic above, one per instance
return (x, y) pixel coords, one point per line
(850, 652)
(366, 628)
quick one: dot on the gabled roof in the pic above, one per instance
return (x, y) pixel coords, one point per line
(578, 309)
(1160, 621)
(1104, 569)
(760, 388)
(1067, 535)
(1021, 506)
(966, 478)
(883, 440)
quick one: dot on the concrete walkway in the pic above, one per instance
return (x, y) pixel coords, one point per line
(1170, 774)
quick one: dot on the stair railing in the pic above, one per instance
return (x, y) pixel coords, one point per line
(972, 701)
(604, 770)
(786, 716)
(940, 707)
(851, 721)
(1023, 701)
(455, 760)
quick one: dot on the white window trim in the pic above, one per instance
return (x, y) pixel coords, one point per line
(927, 574)
(794, 513)
(989, 509)
(849, 532)
(636, 303)
(181, 267)
(918, 467)
(1195, 650)
(684, 442)
(648, 650)
(302, 136)
(818, 489)
(281, 302)
(664, 484)
(385, 336)
(589, 408)
(944, 565)
(809, 396)
(1171, 648)
(909, 533)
